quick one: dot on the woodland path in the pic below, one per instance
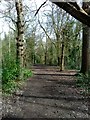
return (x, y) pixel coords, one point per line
(48, 94)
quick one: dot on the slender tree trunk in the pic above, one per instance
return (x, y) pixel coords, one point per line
(34, 59)
(45, 58)
(58, 52)
(51, 54)
(58, 61)
(20, 40)
(62, 57)
(9, 46)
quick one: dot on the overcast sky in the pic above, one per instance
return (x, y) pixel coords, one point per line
(3, 25)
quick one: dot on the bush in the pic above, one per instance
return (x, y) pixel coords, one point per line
(9, 74)
(10, 86)
(9, 69)
(83, 82)
(26, 73)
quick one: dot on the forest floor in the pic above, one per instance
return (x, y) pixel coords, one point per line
(48, 94)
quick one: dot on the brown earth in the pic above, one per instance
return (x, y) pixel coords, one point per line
(48, 94)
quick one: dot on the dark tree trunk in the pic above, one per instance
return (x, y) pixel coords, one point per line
(85, 67)
(45, 58)
(58, 61)
(85, 48)
(89, 54)
(34, 59)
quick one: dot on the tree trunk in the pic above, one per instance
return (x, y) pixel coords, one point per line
(62, 57)
(85, 67)
(51, 54)
(85, 49)
(19, 39)
(58, 52)
(89, 52)
(45, 58)
(34, 59)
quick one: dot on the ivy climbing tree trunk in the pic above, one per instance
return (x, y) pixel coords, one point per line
(19, 38)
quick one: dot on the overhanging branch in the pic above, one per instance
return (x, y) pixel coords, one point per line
(74, 10)
(78, 14)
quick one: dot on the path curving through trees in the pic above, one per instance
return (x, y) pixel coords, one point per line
(48, 94)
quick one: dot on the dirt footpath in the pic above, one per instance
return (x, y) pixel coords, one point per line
(48, 94)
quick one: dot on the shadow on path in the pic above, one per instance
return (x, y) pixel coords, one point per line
(49, 94)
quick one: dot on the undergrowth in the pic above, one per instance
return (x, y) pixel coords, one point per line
(9, 71)
(9, 75)
(12, 85)
(83, 82)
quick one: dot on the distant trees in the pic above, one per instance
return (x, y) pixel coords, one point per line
(9, 67)
(51, 38)
(63, 43)
(82, 14)
(64, 34)
(30, 49)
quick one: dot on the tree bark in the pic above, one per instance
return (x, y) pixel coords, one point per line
(85, 67)
(19, 39)
(85, 48)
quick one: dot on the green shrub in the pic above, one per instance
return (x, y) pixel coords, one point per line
(10, 72)
(26, 73)
(9, 69)
(10, 86)
(83, 82)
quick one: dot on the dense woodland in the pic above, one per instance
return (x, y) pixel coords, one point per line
(51, 37)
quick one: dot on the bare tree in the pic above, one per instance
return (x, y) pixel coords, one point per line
(83, 15)
(56, 20)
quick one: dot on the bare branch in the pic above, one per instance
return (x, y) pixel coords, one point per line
(40, 7)
(46, 33)
(12, 28)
